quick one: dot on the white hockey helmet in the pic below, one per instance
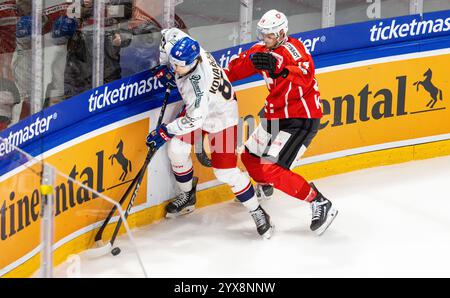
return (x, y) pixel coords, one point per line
(274, 22)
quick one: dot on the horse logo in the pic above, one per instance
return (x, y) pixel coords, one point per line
(122, 160)
(430, 88)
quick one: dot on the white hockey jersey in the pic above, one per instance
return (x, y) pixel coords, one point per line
(207, 93)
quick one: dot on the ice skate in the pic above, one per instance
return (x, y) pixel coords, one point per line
(184, 203)
(323, 213)
(262, 220)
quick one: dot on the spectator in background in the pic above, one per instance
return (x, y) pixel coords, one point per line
(128, 33)
(21, 62)
(8, 20)
(79, 62)
(9, 99)
(63, 30)
(55, 52)
(117, 36)
(143, 52)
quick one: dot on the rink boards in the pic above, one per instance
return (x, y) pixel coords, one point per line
(375, 113)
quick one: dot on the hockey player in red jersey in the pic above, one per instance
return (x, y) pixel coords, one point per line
(292, 114)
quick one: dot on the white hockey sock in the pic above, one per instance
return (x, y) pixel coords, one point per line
(183, 175)
(251, 204)
(185, 186)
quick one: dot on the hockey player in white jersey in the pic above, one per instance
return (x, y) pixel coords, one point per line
(211, 109)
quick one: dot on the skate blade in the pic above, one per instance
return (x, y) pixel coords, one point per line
(331, 216)
(268, 233)
(185, 211)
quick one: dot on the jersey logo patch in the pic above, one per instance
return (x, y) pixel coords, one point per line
(294, 52)
(198, 93)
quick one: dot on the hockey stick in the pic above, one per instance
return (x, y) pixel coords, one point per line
(203, 158)
(135, 184)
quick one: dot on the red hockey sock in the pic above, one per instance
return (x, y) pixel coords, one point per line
(281, 178)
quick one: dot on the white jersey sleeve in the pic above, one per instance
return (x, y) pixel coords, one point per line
(192, 89)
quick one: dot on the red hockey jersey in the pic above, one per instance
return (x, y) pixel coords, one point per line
(9, 17)
(297, 95)
(8, 20)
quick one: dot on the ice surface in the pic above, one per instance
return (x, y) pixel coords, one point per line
(393, 222)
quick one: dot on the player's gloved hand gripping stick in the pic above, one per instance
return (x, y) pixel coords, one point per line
(135, 184)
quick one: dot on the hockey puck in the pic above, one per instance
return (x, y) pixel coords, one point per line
(115, 251)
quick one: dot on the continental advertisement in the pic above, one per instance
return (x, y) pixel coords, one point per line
(384, 103)
(105, 163)
(370, 105)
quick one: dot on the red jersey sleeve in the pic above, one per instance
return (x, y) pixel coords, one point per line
(301, 69)
(241, 66)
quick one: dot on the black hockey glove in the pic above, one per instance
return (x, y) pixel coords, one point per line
(264, 61)
(284, 73)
